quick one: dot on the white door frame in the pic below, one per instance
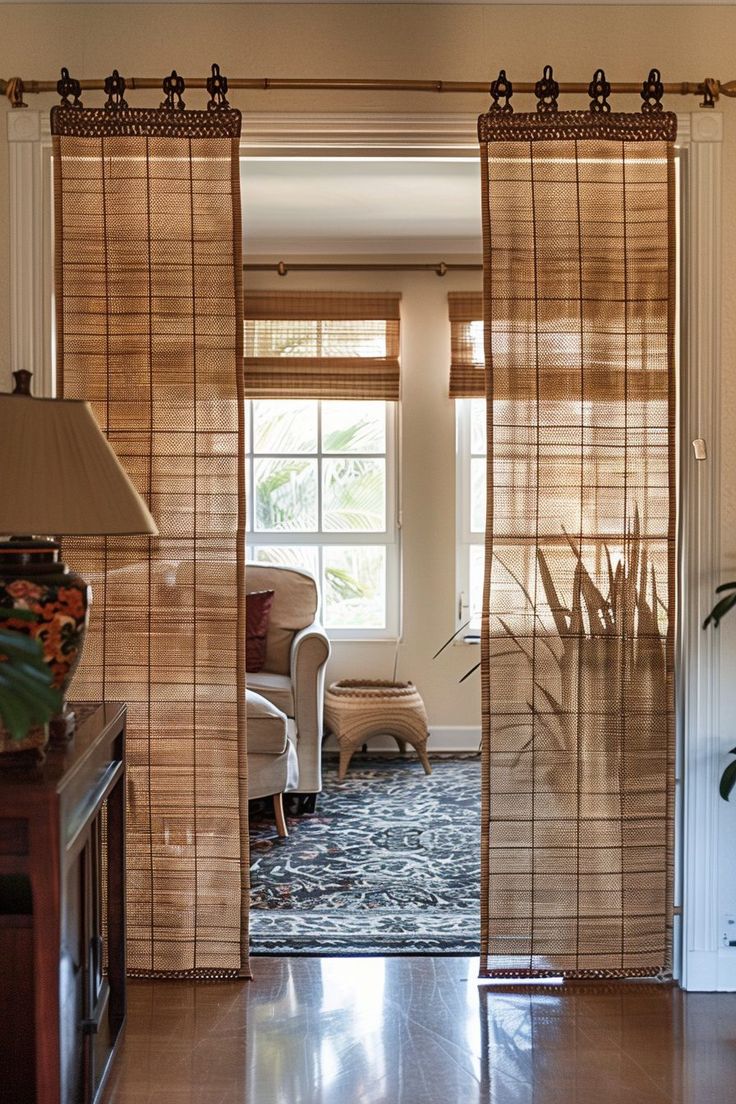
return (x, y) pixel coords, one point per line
(701, 966)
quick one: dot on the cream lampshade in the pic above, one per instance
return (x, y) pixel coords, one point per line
(60, 477)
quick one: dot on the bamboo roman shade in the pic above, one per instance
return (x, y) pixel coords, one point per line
(149, 324)
(579, 610)
(467, 364)
(321, 345)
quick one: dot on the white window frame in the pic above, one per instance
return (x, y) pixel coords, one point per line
(705, 964)
(465, 537)
(389, 538)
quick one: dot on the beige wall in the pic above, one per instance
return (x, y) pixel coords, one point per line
(452, 42)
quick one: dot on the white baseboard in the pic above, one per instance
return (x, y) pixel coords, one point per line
(447, 738)
(710, 972)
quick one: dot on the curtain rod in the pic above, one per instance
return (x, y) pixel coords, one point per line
(710, 88)
(283, 269)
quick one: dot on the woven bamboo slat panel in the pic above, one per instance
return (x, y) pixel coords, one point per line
(579, 608)
(149, 329)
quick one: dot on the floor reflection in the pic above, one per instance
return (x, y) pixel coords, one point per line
(420, 1031)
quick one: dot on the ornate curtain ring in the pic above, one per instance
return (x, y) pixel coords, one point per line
(652, 91)
(115, 87)
(217, 88)
(599, 90)
(67, 87)
(501, 89)
(173, 87)
(547, 90)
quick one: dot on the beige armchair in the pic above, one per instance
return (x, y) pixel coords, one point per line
(297, 650)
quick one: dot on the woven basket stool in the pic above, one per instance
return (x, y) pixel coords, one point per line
(356, 709)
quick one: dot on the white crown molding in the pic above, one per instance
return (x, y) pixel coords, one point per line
(360, 131)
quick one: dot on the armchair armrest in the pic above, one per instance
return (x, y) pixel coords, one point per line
(310, 650)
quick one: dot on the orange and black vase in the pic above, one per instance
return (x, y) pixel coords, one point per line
(33, 578)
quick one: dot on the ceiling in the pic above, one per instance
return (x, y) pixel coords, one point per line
(299, 206)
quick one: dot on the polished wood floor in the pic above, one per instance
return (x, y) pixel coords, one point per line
(420, 1031)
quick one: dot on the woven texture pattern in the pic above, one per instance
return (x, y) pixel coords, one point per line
(149, 329)
(577, 640)
(356, 710)
(467, 364)
(327, 345)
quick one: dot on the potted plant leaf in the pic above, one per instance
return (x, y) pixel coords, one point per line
(720, 609)
(28, 699)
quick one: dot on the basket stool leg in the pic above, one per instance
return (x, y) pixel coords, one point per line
(421, 750)
(346, 754)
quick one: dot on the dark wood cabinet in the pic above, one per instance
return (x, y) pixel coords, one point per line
(62, 916)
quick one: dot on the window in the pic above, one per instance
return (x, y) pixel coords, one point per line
(467, 387)
(471, 510)
(322, 495)
(322, 376)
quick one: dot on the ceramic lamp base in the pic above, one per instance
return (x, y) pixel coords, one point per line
(33, 578)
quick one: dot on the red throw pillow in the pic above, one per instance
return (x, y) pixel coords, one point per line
(257, 612)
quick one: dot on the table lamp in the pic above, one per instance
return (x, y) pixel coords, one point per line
(60, 477)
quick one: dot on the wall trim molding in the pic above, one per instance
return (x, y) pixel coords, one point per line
(454, 134)
(442, 738)
(361, 133)
(31, 252)
(703, 967)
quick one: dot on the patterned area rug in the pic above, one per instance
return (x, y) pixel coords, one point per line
(388, 863)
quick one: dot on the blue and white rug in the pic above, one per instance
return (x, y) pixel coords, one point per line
(388, 864)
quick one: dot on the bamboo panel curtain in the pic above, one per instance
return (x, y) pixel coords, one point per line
(149, 329)
(467, 358)
(577, 641)
(322, 345)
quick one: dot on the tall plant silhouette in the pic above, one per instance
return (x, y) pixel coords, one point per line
(600, 686)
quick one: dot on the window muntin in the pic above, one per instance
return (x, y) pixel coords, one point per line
(322, 495)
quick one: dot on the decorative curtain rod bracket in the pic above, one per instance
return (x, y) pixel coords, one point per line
(711, 89)
(14, 92)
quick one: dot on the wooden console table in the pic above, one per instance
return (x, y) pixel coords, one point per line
(61, 1010)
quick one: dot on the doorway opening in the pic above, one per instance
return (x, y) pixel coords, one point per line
(351, 490)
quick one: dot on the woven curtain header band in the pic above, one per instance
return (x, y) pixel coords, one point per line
(499, 126)
(144, 122)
